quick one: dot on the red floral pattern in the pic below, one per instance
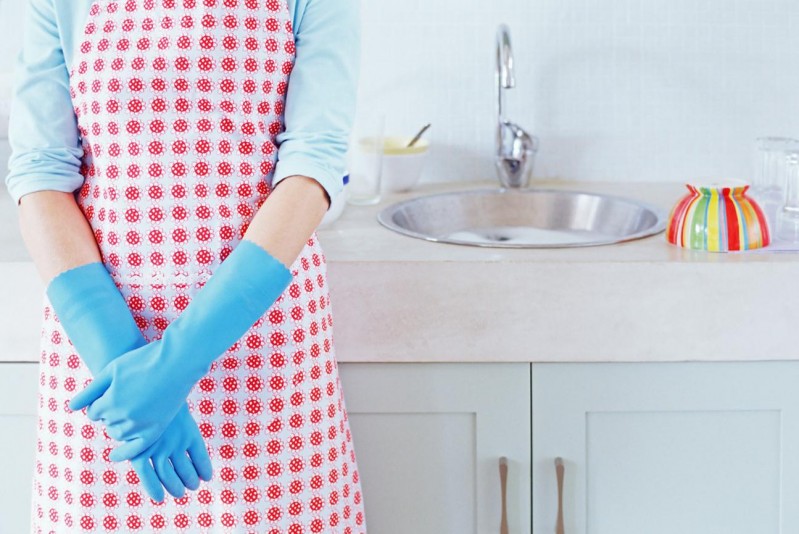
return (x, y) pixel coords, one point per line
(178, 105)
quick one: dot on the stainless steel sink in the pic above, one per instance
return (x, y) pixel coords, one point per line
(524, 218)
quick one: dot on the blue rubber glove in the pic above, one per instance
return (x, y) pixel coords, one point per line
(140, 392)
(99, 324)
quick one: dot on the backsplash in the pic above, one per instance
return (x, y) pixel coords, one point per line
(653, 90)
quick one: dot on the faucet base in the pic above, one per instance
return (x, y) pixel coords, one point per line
(514, 173)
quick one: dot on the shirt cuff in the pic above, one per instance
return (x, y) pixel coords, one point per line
(332, 182)
(22, 185)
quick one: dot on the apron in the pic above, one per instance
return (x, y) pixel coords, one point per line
(178, 105)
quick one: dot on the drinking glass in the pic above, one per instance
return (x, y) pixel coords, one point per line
(768, 185)
(788, 216)
(365, 158)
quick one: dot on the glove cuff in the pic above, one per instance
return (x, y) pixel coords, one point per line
(241, 290)
(94, 314)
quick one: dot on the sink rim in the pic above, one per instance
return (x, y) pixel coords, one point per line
(385, 218)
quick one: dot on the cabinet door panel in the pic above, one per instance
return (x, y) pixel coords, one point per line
(662, 448)
(677, 470)
(428, 438)
(422, 480)
(18, 394)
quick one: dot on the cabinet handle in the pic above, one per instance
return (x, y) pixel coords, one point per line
(560, 469)
(503, 480)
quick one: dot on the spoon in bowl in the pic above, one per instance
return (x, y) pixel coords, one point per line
(418, 136)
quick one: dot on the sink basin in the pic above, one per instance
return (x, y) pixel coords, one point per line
(524, 218)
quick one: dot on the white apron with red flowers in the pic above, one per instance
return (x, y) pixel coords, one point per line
(178, 105)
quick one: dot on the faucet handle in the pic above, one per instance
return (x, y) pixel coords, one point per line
(516, 155)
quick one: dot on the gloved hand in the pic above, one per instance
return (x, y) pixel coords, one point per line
(99, 324)
(178, 455)
(139, 393)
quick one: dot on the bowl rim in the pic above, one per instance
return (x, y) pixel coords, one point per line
(421, 146)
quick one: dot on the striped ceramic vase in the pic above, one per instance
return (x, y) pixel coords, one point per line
(718, 219)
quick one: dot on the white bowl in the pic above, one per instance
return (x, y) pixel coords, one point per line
(335, 210)
(402, 166)
(5, 113)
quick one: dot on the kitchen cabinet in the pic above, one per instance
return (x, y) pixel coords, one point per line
(428, 438)
(18, 400)
(667, 447)
(690, 447)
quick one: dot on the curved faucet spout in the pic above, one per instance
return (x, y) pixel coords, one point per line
(504, 74)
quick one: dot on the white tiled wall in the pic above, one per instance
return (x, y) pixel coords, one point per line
(644, 90)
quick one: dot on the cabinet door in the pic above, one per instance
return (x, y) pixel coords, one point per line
(18, 394)
(428, 438)
(664, 448)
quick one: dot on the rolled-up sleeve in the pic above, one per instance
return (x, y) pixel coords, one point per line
(43, 132)
(320, 102)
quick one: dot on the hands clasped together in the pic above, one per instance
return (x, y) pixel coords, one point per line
(140, 389)
(141, 398)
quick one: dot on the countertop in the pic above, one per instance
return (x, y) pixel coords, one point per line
(400, 299)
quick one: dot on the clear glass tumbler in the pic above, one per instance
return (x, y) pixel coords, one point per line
(788, 216)
(365, 158)
(768, 185)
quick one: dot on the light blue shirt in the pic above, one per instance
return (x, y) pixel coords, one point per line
(319, 112)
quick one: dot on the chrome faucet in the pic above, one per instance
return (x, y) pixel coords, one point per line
(516, 149)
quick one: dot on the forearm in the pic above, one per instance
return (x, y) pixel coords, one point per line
(289, 216)
(56, 233)
(250, 279)
(92, 311)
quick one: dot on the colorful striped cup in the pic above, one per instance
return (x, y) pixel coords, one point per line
(718, 217)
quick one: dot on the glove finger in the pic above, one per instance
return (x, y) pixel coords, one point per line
(200, 458)
(170, 479)
(148, 478)
(93, 412)
(125, 428)
(114, 433)
(185, 470)
(91, 393)
(129, 449)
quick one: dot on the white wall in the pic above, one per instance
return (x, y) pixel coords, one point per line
(10, 14)
(647, 90)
